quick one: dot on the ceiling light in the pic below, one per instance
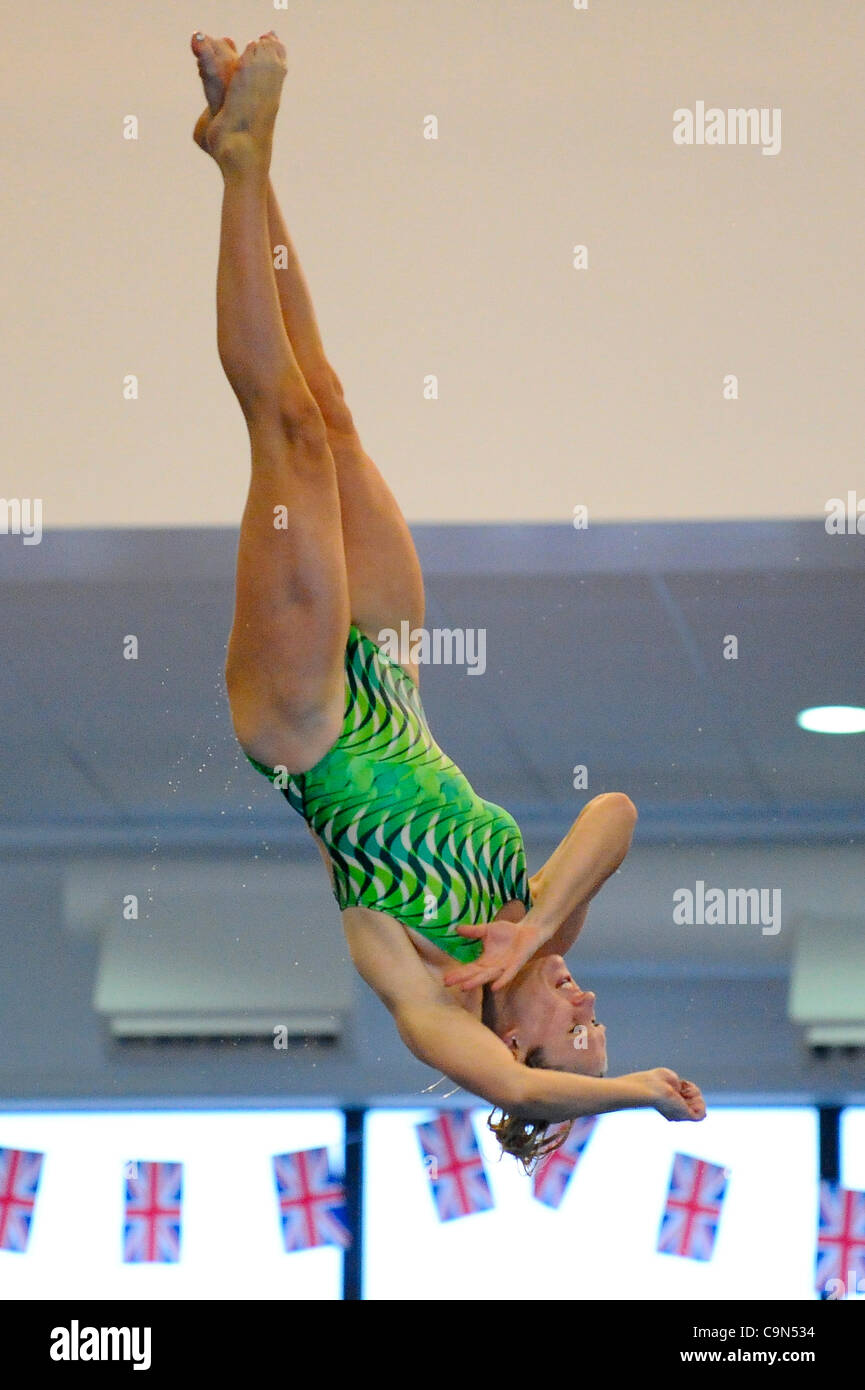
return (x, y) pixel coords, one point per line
(832, 719)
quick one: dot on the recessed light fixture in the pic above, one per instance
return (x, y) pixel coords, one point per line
(832, 719)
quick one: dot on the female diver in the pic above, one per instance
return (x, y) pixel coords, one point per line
(440, 916)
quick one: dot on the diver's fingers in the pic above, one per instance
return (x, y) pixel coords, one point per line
(458, 975)
(507, 975)
(475, 978)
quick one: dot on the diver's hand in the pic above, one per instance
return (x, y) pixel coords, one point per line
(507, 947)
(673, 1098)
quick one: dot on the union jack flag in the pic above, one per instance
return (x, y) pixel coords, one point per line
(552, 1175)
(453, 1161)
(840, 1236)
(151, 1229)
(19, 1179)
(689, 1223)
(311, 1201)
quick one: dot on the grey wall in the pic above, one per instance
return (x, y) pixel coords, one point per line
(606, 653)
(726, 1029)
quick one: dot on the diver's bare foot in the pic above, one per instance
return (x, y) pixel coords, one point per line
(217, 59)
(242, 130)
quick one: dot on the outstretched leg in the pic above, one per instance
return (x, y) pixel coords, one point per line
(384, 574)
(284, 669)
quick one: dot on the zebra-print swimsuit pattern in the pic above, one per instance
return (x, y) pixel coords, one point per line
(405, 831)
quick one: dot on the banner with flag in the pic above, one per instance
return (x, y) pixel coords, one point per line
(311, 1201)
(553, 1174)
(151, 1229)
(840, 1237)
(689, 1224)
(452, 1159)
(20, 1171)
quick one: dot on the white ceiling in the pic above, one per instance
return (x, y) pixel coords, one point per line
(451, 257)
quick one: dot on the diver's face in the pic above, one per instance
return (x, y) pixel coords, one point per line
(544, 1007)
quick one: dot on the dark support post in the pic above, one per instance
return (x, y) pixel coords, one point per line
(830, 1148)
(830, 1142)
(352, 1261)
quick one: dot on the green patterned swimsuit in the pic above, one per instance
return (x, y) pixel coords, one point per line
(405, 831)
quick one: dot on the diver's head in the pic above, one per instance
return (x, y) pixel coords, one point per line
(547, 1021)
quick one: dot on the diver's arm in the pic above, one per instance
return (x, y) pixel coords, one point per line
(592, 850)
(448, 1038)
(552, 1095)
(445, 1036)
(566, 933)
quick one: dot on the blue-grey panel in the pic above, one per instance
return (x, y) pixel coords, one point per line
(602, 648)
(591, 671)
(801, 642)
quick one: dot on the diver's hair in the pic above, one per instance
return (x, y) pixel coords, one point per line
(528, 1141)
